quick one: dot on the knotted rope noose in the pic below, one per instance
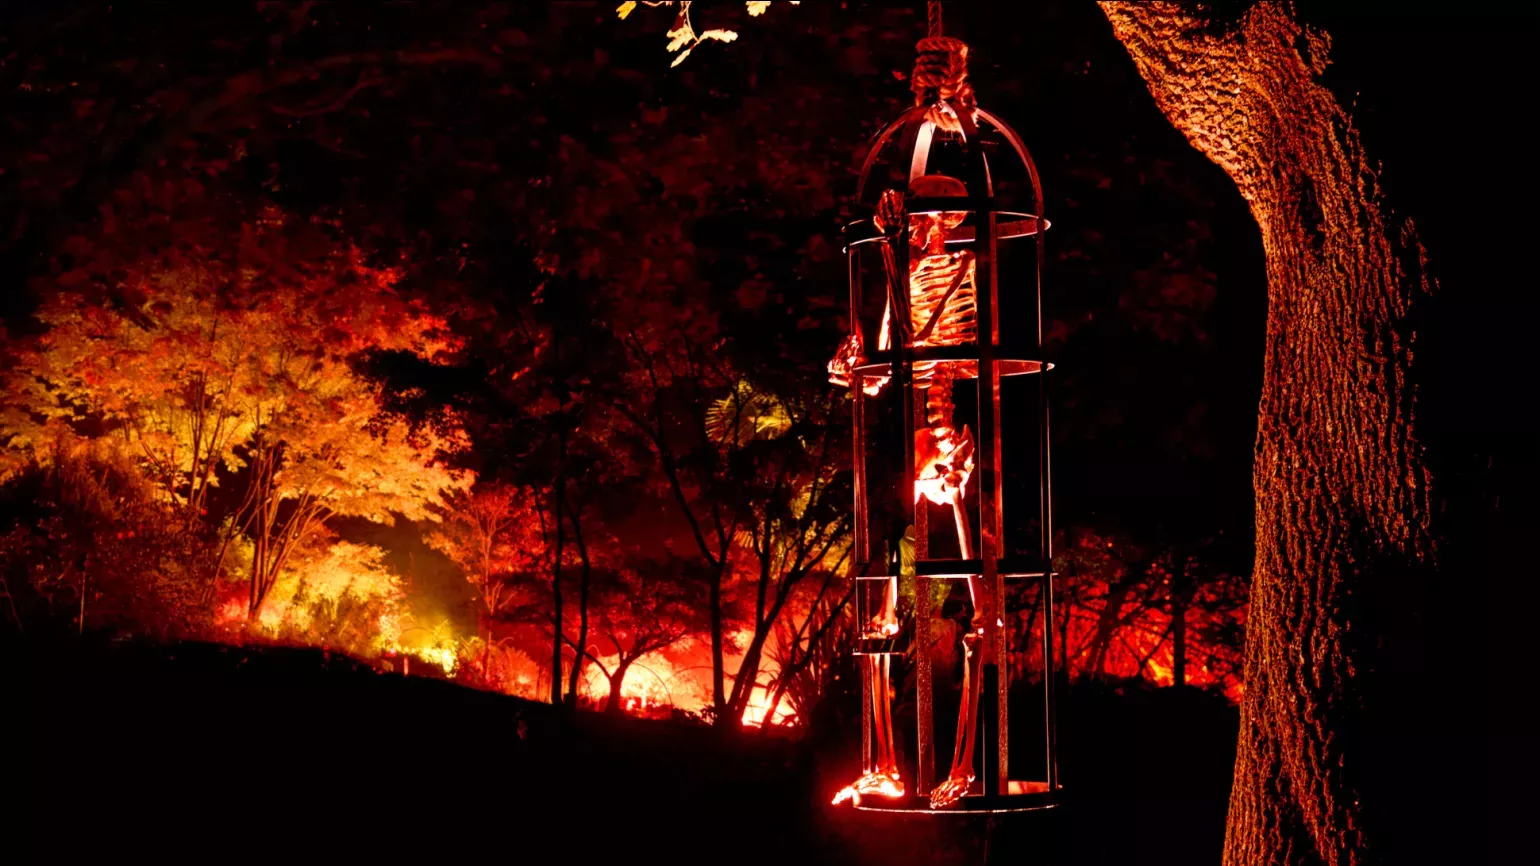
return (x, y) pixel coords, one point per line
(941, 74)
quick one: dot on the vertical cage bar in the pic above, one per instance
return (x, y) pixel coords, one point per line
(996, 742)
(1045, 513)
(861, 541)
(921, 506)
(990, 733)
(1050, 721)
(1002, 694)
(903, 377)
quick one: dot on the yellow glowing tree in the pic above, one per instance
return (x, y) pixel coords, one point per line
(334, 593)
(225, 346)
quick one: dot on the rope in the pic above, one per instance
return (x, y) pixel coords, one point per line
(941, 75)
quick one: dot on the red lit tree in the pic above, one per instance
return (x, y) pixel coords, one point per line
(493, 534)
(754, 476)
(807, 653)
(1124, 610)
(642, 607)
(796, 524)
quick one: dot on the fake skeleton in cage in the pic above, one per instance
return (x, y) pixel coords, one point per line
(933, 306)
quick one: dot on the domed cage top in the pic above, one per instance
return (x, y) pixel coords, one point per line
(953, 533)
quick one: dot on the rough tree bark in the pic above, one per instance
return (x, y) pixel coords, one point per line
(1340, 481)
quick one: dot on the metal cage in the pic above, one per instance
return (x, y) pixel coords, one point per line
(1000, 377)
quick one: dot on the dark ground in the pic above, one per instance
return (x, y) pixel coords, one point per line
(200, 752)
(210, 753)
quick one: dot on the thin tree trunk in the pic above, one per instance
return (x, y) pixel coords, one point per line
(1179, 642)
(718, 657)
(748, 675)
(718, 561)
(1064, 660)
(800, 663)
(1179, 596)
(748, 670)
(768, 613)
(558, 507)
(1107, 624)
(1341, 487)
(582, 644)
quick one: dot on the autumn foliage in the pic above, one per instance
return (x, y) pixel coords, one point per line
(198, 361)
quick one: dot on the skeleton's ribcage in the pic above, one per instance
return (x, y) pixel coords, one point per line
(929, 281)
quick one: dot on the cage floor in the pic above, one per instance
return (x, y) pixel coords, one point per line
(1023, 797)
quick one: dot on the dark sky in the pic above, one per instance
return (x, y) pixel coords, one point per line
(1445, 101)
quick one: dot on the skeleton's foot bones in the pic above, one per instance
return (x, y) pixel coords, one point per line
(946, 794)
(871, 785)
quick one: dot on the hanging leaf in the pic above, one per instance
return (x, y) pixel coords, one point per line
(680, 37)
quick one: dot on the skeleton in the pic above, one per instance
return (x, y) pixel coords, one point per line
(934, 306)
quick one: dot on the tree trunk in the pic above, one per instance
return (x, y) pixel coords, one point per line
(557, 507)
(718, 655)
(1107, 623)
(797, 664)
(1341, 489)
(1179, 641)
(1179, 595)
(747, 676)
(586, 568)
(617, 682)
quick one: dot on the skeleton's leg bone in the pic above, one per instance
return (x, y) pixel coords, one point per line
(964, 530)
(889, 764)
(960, 779)
(973, 680)
(961, 775)
(885, 760)
(962, 710)
(887, 622)
(879, 703)
(879, 776)
(978, 641)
